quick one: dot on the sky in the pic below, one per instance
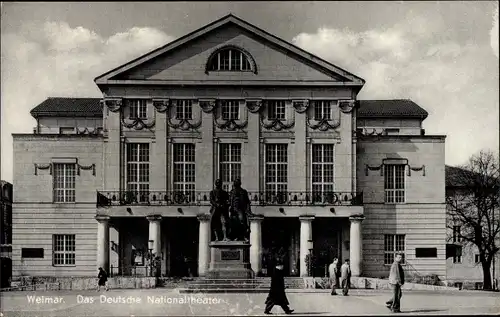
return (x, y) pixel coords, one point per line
(442, 55)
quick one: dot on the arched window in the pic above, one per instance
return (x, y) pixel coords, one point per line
(230, 59)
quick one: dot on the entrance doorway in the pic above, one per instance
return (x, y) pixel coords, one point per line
(183, 238)
(278, 243)
(326, 244)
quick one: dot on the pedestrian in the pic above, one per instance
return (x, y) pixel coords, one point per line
(345, 277)
(102, 279)
(396, 280)
(333, 271)
(277, 294)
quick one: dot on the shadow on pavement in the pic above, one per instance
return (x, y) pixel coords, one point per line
(422, 310)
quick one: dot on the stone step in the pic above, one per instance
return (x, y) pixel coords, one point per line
(223, 290)
(214, 286)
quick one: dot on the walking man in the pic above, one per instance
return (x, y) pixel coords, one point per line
(396, 280)
(345, 277)
(102, 279)
(333, 271)
(277, 294)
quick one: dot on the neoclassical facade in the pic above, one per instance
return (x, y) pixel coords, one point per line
(105, 181)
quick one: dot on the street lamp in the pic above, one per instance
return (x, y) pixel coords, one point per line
(150, 247)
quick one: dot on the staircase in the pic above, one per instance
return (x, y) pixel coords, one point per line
(256, 285)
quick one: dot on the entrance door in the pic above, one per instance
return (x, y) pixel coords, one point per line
(326, 239)
(276, 243)
(183, 236)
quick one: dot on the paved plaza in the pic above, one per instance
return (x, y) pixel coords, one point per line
(163, 302)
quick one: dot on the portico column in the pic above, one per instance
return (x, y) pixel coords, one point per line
(155, 232)
(203, 244)
(305, 242)
(256, 243)
(103, 242)
(355, 248)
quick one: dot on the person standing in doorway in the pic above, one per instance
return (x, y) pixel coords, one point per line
(333, 271)
(102, 279)
(277, 294)
(345, 277)
(396, 280)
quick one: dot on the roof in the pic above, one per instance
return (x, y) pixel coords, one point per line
(91, 107)
(390, 108)
(230, 19)
(68, 107)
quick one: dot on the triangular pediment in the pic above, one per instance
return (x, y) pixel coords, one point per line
(185, 60)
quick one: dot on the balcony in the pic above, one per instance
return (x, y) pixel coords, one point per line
(197, 198)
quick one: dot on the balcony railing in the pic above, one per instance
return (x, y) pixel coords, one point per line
(197, 198)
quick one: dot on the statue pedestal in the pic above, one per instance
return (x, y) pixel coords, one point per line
(229, 260)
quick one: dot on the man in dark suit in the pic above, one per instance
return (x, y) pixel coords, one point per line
(277, 294)
(396, 280)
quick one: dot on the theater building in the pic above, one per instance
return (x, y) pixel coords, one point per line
(108, 181)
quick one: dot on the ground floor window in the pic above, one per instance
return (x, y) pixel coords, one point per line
(393, 244)
(63, 249)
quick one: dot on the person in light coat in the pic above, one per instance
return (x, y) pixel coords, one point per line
(333, 271)
(345, 277)
(396, 280)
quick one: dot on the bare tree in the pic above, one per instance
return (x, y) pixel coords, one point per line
(473, 204)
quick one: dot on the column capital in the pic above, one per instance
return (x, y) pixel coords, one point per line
(256, 217)
(204, 217)
(306, 218)
(153, 218)
(357, 218)
(102, 218)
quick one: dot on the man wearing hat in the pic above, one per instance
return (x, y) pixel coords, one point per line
(277, 294)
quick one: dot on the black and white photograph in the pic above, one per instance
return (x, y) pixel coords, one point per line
(249, 158)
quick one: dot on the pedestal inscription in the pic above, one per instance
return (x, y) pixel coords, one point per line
(229, 255)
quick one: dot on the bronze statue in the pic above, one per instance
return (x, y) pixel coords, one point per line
(219, 211)
(239, 209)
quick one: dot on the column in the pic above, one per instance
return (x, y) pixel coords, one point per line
(158, 173)
(203, 244)
(155, 233)
(256, 243)
(297, 178)
(355, 248)
(204, 155)
(250, 174)
(103, 242)
(112, 145)
(305, 242)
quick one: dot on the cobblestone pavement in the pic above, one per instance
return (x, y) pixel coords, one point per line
(162, 302)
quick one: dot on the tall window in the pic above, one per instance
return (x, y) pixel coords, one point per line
(137, 108)
(138, 170)
(276, 172)
(394, 243)
(322, 110)
(184, 170)
(322, 171)
(230, 59)
(394, 183)
(230, 109)
(184, 110)
(457, 258)
(63, 249)
(230, 163)
(456, 234)
(276, 109)
(64, 183)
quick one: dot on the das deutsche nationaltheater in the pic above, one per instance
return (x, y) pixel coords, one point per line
(103, 182)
